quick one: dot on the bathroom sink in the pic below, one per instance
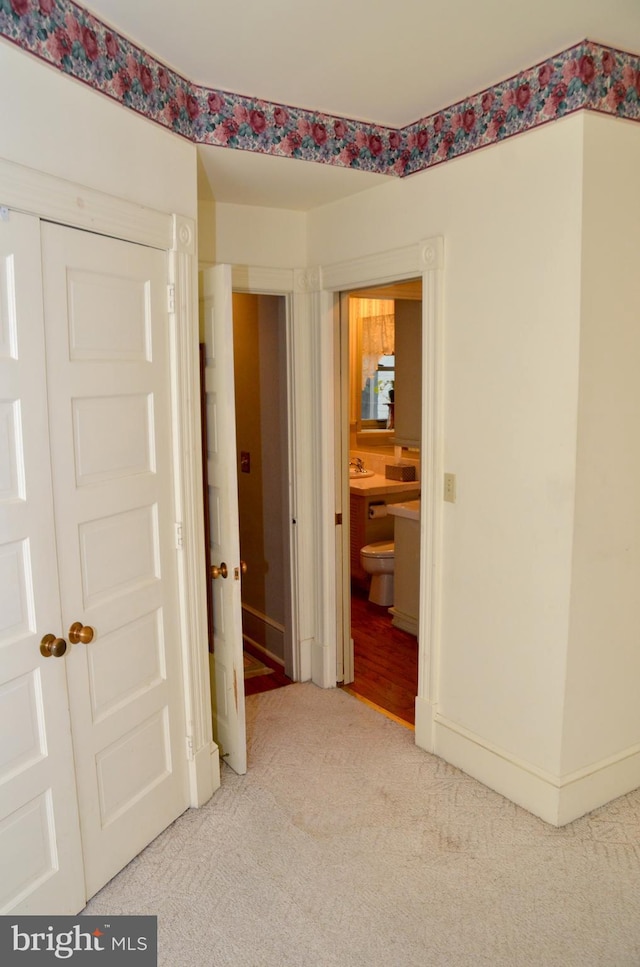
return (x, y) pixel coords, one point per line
(355, 472)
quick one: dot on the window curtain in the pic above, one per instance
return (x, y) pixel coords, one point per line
(377, 322)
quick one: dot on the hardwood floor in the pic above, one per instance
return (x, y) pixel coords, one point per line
(385, 659)
(264, 683)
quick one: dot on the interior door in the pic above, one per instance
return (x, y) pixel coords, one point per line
(109, 388)
(227, 663)
(40, 850)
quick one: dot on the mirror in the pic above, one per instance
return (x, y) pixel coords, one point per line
(373, 365)
(373, 325)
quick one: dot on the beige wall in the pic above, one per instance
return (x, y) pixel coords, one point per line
(53, 123)
(602, 711)
(264, 237)
(511, 220)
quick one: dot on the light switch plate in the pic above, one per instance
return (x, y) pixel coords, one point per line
(450, 487)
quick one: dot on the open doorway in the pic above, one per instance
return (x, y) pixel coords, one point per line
(260, 371)
(263, 355)
(381, 337)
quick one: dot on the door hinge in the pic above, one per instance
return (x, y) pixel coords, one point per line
(179, 537)
(189, 740)
(171, 298)
(338, 519)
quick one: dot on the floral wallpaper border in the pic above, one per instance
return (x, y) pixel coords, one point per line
(63, 34)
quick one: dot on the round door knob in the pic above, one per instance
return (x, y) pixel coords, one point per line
(79, 633)
(52, 647)
(243, 567)
(219, 572)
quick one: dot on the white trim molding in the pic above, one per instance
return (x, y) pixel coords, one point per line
(425, 259)
(382, 267)
(306, 436)
(46, 196)
(557, 800)
(432, 476)
(187, 458)
(299, 287)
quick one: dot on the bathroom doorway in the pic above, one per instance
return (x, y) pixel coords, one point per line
(381, 366)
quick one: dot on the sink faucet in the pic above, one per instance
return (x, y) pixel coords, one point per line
(357, 463)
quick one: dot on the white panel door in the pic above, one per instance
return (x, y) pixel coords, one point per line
(109, 384)
(229, 709)
(40, 852)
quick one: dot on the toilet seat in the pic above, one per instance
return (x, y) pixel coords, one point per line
(383, 549)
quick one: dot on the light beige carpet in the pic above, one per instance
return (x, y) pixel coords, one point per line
(346, 846)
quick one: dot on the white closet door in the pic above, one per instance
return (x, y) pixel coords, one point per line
(109, 398)
(228, 666)
(40, 853)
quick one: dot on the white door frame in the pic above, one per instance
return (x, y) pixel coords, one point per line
(45, 196)
(424, 259)
(297, 287)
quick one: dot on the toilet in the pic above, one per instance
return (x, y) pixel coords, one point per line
(377, 559)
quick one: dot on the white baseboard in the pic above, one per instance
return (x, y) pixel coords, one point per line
(204, 774)
(406, 622)
(306, 646)
(424, 723)
(323, 670)
(556, 800)
(599, 784)
(516, 780)
(215, 766)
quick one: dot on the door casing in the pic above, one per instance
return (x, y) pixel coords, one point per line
(298, 288)
(424, 259)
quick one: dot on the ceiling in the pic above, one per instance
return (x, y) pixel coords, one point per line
(387, 63)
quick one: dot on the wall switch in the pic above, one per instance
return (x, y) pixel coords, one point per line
(450, 487)
(245, 462)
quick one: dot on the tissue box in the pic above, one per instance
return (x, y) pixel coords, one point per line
(400, 471)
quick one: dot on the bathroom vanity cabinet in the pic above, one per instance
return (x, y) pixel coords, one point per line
(366, 531)
(406, 593)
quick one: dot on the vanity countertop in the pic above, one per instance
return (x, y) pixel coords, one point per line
(376, 485)
(409, 509)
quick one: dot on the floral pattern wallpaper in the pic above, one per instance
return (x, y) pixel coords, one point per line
(585, 76)
(63, 34)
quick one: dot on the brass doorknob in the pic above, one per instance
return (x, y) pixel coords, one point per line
(79, 633)
(219, 572)
(243, 567)
(52, 647)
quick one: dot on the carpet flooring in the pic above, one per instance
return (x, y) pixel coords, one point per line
(347, 846)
